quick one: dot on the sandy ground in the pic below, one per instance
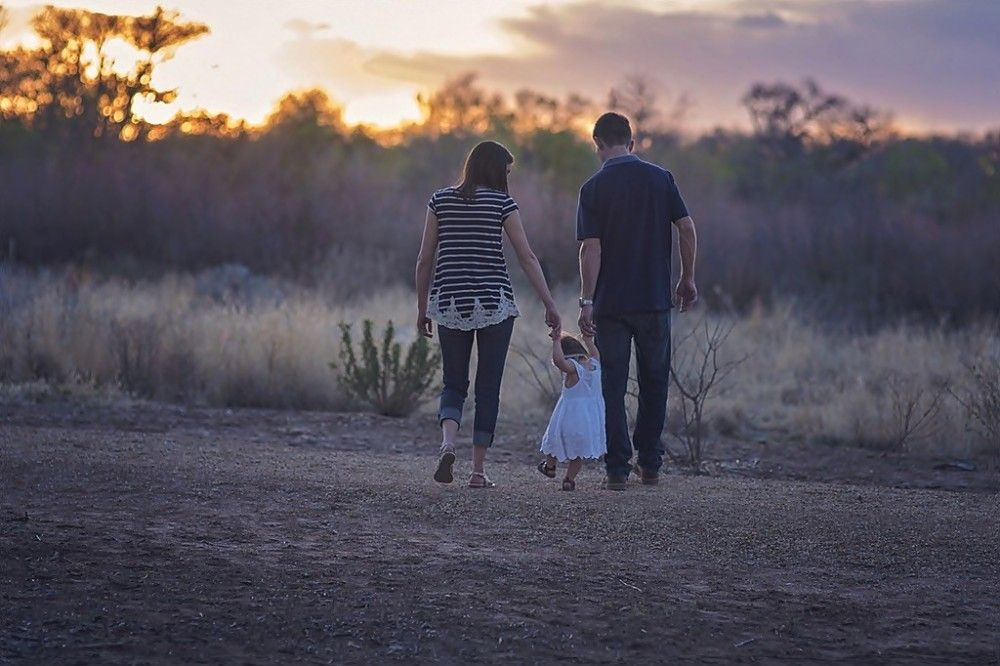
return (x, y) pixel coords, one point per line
(150, 534)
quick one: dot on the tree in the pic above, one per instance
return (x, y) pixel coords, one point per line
(306, 108)
(789, 116)
(460, 107)
(637, 99)
(199, 123)
(536, 111)
(71, 84)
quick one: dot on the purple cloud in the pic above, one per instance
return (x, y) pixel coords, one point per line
(932, 62)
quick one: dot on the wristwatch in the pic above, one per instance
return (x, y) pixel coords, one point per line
(586, 301)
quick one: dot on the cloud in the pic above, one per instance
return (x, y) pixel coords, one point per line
(340, 65)
(932, 62)
(767, 20)
(305, 28)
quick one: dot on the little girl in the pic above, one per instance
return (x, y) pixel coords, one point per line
(576, 429)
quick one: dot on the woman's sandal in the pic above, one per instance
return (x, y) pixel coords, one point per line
(443, 473)
(569, 484)
(544, 468)
(480, 480)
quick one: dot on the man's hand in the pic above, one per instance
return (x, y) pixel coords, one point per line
(586, 321)
(425, 326)
(686, 294)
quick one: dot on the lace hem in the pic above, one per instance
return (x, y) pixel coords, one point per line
(480, 317)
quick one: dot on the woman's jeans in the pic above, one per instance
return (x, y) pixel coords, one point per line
(456, 351)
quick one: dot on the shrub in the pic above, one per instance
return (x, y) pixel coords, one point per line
(698, 372)
(982, 400)
(915, 408)
(376, 376)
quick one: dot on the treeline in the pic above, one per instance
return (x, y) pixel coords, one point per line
(823, 201)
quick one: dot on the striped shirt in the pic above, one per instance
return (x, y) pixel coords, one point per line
(471, 287)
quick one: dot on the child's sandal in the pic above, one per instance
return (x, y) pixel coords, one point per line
(544, 468)
(569, 484)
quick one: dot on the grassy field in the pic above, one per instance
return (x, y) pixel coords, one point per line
(226, 338)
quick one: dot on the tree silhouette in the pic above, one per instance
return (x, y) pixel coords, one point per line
(307, 108)
(460, 107)
(73, 86)
(791, 115)
(637, 98)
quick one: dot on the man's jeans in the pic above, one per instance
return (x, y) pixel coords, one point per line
(456, 350)
(651, 332)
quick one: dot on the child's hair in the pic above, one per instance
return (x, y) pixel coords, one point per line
(571, 346)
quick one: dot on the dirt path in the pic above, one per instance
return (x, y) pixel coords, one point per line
(177, 536)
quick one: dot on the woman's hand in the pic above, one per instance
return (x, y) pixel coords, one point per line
(425, 326)
(552, 319)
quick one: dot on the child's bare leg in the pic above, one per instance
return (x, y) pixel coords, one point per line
(574, 468)
(551, 462)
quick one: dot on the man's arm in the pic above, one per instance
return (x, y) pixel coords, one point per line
(590, 267)
(686, 294)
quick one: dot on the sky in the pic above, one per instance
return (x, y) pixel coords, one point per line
(935, 64)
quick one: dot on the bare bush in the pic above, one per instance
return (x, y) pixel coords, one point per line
(539, 374)
(982, 400)
(137, 344)
(698, 372)
(915, 408)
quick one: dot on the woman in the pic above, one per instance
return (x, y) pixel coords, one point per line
(471, 296)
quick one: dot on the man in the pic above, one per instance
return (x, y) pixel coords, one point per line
(624, 232)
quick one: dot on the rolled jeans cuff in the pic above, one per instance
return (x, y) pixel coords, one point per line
(452, 413)
(482, 438)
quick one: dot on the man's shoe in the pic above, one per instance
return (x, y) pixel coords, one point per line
(647, 478)
(612, 482)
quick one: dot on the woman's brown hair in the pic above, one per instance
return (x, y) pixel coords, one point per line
(571, 346)
(486, 166)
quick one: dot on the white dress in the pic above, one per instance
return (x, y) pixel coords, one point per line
(576, 429)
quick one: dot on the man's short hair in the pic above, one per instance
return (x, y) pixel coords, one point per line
(613, 129)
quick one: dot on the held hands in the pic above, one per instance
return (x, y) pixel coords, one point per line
(552, 319)
(586, 321)
(686, 294)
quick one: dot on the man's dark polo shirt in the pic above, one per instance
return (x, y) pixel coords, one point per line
(629, 205)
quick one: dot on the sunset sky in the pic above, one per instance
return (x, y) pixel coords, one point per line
(934, 63)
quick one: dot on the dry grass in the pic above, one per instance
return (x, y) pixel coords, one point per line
(254, 342)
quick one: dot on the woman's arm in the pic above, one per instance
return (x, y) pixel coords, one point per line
(558, 358)
(425, 264)
(532, 269)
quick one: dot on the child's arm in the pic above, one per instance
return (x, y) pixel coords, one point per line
(588, 341)
(558, 359)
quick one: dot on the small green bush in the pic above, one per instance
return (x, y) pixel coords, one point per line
(376, 376)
